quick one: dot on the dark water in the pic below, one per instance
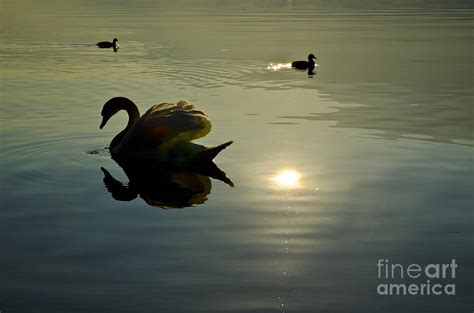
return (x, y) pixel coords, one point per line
(375, 149)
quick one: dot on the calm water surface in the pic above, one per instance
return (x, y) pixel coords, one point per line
(371, 158)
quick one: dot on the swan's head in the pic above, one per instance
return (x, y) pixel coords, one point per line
(312, 57)
(113, 106)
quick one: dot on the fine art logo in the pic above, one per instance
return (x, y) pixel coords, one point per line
(416, 279)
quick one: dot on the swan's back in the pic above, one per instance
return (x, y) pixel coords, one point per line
(165, 123)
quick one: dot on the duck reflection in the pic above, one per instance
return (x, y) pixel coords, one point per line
(164, 186)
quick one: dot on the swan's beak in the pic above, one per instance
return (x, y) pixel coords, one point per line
(104, 121)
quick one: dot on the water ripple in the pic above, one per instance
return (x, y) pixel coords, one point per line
(55, 160)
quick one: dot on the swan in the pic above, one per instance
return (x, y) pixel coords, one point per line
(107, 44)
(164, 133)
(303, 65)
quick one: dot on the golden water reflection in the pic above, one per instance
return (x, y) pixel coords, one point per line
(287, 179)
(278, 66)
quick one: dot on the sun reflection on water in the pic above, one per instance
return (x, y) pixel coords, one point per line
(287, 179)
(278, 66)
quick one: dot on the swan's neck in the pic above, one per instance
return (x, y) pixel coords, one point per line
(133, 116)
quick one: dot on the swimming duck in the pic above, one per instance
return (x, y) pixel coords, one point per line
(303, 65)
(163, 134)
(107, 44)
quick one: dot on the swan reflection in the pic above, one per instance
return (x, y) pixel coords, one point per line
(165, 187)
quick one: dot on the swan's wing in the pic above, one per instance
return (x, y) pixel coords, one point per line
(168, 123)
(176, 122)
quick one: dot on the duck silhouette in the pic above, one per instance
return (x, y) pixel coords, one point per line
(163, 134)
(163, 186)
(107, 44)
(304, 65)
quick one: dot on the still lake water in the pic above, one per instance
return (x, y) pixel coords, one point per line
(381, 138)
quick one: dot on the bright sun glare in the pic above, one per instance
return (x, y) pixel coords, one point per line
(278, 66)
(287, 179)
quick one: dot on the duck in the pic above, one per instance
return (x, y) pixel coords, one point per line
(107, 44)
(303, 65)
(163, 134)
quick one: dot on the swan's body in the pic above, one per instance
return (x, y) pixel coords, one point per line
(163, 133)
(304, 65)
(107, 44)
